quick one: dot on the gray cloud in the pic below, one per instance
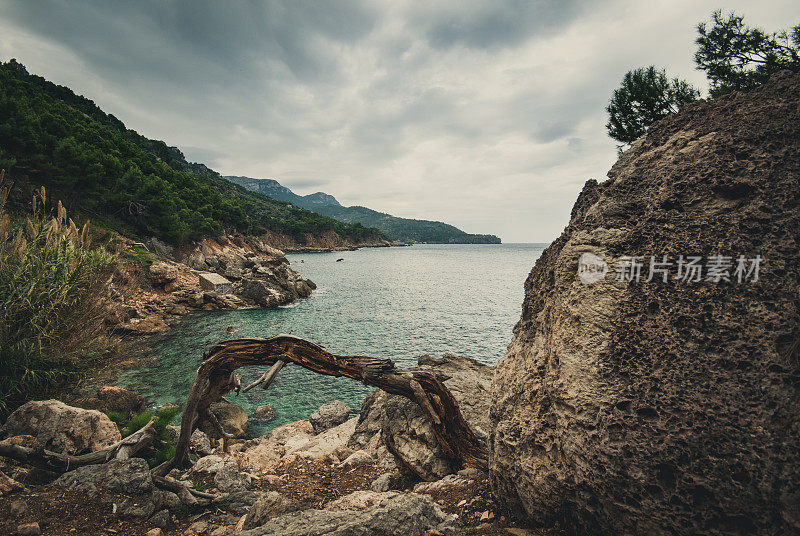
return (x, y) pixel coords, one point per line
(487, 115)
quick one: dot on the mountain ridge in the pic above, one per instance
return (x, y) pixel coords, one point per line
(403, 229)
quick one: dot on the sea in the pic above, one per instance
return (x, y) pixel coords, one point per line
(398, 303)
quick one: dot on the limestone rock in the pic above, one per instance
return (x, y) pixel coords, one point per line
(393, 513)
(265, 412)
(62, 428)
(399, 423)
(269, 505)
(232, 418)
(162, 273)
(264, 452)
(130, 476)
(329, 415)
(666, 407)
(326, 444)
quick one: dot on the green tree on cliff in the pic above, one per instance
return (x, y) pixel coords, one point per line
(736, 57)
(645, 95)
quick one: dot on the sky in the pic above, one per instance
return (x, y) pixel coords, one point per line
(486, 115)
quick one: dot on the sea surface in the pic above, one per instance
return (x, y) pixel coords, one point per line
(397, 303)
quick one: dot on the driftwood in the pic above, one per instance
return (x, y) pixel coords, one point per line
(56, 462)
(216, 377)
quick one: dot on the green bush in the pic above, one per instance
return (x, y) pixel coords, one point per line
(162, 449)
(51, 322)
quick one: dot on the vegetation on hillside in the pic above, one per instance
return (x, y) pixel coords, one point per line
(140, 187)
(734, 57)
(402, 229)
(50, 283)
(406, 229)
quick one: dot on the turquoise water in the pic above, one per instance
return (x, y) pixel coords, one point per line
(396, 303)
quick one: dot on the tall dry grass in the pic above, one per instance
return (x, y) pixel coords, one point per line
(51, 317)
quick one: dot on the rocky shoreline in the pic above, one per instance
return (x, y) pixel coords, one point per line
(379, 471)
(226, 273)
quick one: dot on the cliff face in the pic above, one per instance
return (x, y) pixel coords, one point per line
(626, 407)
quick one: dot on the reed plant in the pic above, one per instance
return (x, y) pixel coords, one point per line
(51, 314)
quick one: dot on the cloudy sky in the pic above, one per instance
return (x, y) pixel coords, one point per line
(488, 115)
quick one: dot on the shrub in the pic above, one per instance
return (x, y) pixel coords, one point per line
(51, 279)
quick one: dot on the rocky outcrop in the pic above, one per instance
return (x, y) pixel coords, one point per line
(225, 273)
(397, 423)
(329, 415)
(666, 406)
(62, 428)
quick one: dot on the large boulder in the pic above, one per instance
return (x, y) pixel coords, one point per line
(380, 513)
(62, 428)
(329, 415)
(399, 424)
(666, 406)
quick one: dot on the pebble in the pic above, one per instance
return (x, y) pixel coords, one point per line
(155, 532)
(29, 529)
(18, 508)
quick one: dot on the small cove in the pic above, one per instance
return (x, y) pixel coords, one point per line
(396, 303)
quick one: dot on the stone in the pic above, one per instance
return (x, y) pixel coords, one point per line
(213, 282)
(267, 450)
(8, 485)
(161, 519)
(263, 293)
(121, 400)
(227, 476)
(357, 459)
(398, 423)
(389, 481)
(18, 508)
(269, 505)
(665, 407)
(155, 532)
(130, 476)
(240, 502)
(329, 415)
(265, 412)
(198, 527)
(448, 484)
(29, 529)
(62, 428)
(327, 444)
(162, 273)
(391, 513)
(232, 418)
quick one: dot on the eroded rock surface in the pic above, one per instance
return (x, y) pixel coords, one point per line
(398, 423)
(666, 407)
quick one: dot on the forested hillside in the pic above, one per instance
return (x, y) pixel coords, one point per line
(403, 229)
(102, 170)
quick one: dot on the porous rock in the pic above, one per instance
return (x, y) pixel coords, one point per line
(666, 407)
